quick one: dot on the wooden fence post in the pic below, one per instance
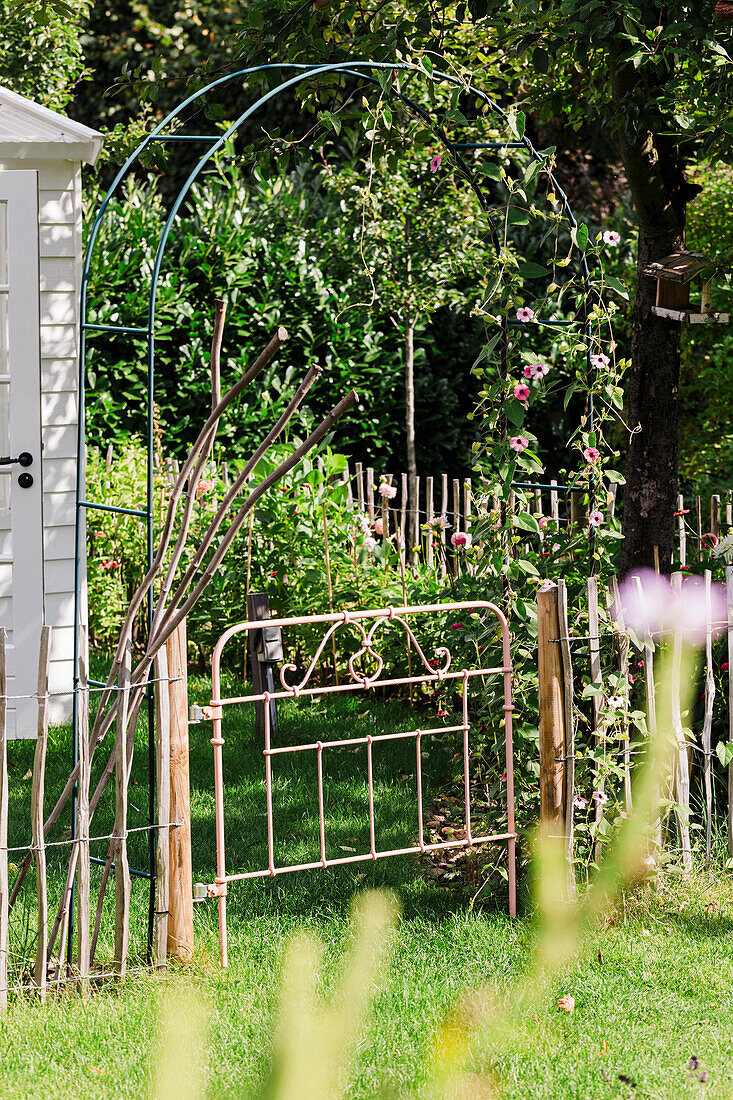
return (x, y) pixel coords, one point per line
(569, 745)
(599, 737)
(258, 608)
(682, 768)
(163, 785)
(122, 866)
(180, 917)
(552, 709)
(37, 816)
(83, 862)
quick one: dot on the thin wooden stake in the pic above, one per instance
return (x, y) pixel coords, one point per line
(100, 902)
(456, 505)
(622, 649)
(682, 771)
(707, 726)
(180, 921)
(729, 512)
(370, 493)
(404, 500)
(552, 710)
(330, 585)
(699, 532)
(430, 517)
(4, 879)
(122, 866)
(682, 529)
(651, 704)
(83, 871)
(359, 486)
(40, 971)
(163, 789)
(347, 483)
(385, 512)
(595, 675)
(415, 524)
(715, 515)
(569, 726)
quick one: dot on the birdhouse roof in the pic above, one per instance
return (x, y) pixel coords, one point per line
(30, 131)
(679, 267)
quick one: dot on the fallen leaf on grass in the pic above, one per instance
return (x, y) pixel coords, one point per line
(567, 1003)
(97, 1071)
(645, 933)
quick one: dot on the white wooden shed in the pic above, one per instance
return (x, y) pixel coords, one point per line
(41, 154)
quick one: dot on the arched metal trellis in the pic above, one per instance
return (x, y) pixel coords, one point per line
(166, 131)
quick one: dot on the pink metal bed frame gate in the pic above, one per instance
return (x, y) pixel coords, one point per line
(366, 624)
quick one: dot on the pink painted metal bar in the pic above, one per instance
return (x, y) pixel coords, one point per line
(321, 812)
(268, 783)
(367, 857)
(370, 771)
(361, 682)
(418, 780)
(362, 740)
(333, 689)
(466, 756)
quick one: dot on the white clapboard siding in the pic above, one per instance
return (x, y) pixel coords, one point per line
(59, 442)
(56, 207)
(59, 475)
(58, 509)
(58, 240)
(58, 308)
(58, 407)
(59, 340)
(58, 274)
(58, 374)
(58, 544)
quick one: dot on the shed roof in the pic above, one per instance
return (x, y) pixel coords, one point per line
(679, 267)
(30, 131)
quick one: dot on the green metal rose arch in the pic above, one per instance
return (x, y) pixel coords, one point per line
(369, 72)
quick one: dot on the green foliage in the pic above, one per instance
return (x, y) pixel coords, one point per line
(40, 51)
(706, 440)
(259, 243)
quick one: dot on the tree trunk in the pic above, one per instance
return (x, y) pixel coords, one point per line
(414, 527)
(650, 494)
(655, 170)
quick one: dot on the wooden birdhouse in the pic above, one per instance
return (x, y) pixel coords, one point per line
(675, 274)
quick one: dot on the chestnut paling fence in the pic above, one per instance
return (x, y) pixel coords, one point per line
(34, 940)
(598, 706)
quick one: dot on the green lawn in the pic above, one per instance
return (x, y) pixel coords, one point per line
(658, 993)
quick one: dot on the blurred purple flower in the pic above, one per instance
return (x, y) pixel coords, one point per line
(651, 605)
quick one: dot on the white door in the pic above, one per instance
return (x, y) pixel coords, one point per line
(21, 496)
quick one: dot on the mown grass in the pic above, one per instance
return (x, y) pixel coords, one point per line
(651, 986)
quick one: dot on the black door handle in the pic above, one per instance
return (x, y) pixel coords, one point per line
(25, 458)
